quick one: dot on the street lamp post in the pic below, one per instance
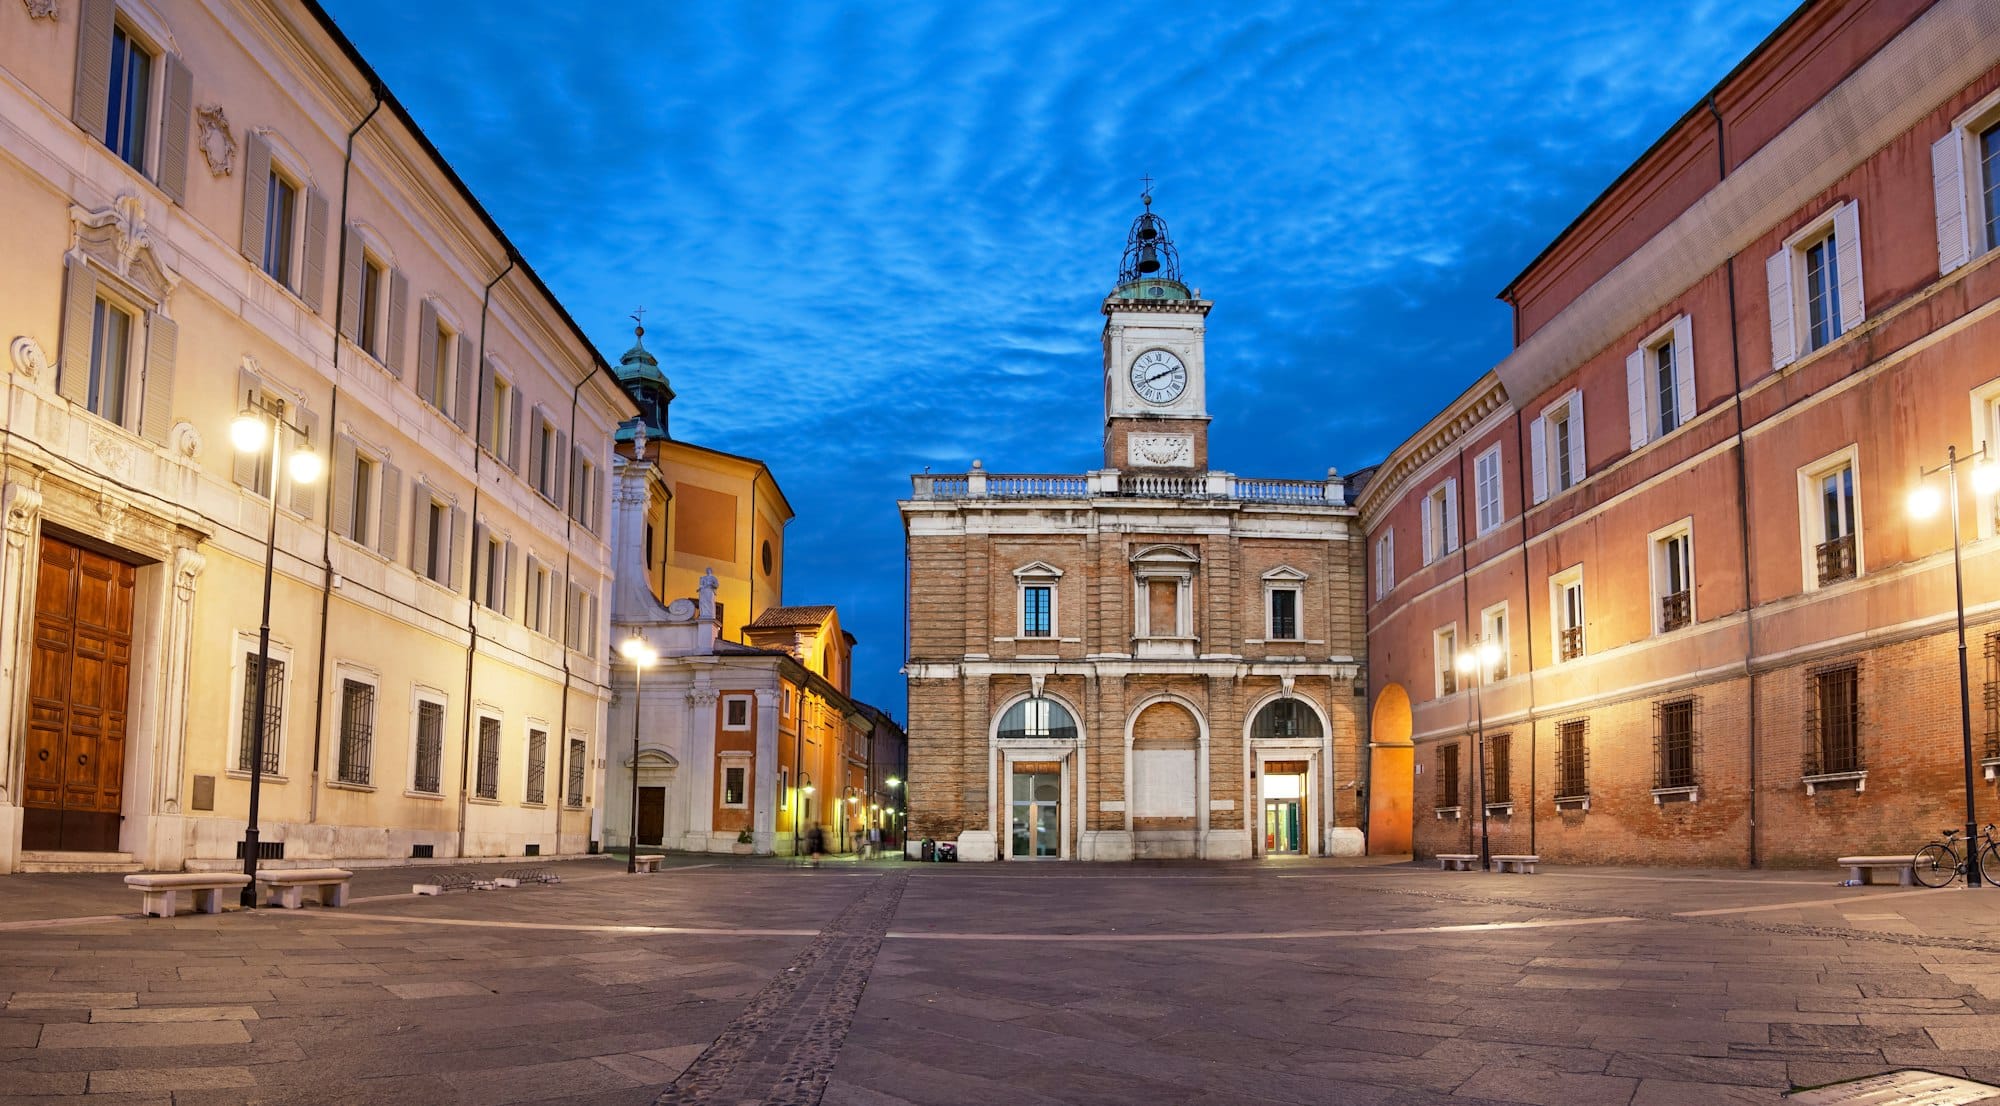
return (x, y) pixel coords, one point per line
(1924, 502)
(259, 427)
(636, 650)
(1477, 663)
(902, 844)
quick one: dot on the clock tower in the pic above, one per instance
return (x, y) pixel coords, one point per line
(1155, 389)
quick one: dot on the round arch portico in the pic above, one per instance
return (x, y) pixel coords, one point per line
(1066, 753)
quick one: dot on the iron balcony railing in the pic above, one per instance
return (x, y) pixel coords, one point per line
(1675, 611)
(1571, 638)
(1836, 560)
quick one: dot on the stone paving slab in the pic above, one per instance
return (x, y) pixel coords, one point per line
(1301, 982)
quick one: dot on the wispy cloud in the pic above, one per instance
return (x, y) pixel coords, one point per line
(874, 238)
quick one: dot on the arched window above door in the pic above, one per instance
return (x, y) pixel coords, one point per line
(1286, 718)
(1038, 718)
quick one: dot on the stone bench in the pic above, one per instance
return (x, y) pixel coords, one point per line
(289, 885)
(1516, 862)
(647, 862)
(1457, 862)
(204, 889)
(1863, 868)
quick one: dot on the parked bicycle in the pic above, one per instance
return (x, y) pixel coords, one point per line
(1939, 863)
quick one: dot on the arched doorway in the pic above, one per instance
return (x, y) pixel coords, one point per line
(1391, 782)
(1166, 781)
(1036, 736)
(1287, 742)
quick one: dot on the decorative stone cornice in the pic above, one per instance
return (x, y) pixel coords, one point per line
(118, 239)
(701, 696)
(1447, 427)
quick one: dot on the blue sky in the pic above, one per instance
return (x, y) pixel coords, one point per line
(874, 238)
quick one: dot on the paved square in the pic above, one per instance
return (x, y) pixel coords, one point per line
(738, 981)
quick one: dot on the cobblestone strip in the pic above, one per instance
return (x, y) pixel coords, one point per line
(781, 1049)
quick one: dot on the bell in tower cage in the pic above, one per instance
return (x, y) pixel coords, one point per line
(1149, 260)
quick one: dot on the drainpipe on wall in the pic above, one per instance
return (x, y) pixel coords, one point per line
(1528, 616)
(332, 414)
(472, 565)
(569, 563)
(1465, 602)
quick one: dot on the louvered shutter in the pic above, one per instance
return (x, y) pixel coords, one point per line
(1784, 325)
(427, 342)
(249, 391)
(479, 567)
(1430, 528)
(394, 350)
(256, 183)
(79, 317)
(312, 276)
(559, 472)
(458, 549)
(1954, 242)
(392, 511)
(509, 592)
(486, 412)
(342, 479)
(176, 116)
(1635, 396)
(1538, 447)
(305, 497)
(520, 429)
(1684, 395)
(156, 409)
(90, 108)
(1450, 515)
(1577, 460)
(420, 529)
(461, 411)
(1847, 240)
(537, 463)
(352, 258)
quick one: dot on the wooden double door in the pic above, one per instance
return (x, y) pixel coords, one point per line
(81, 671)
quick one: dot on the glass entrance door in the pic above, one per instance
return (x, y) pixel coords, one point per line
(1283, 798)
(1037, 809)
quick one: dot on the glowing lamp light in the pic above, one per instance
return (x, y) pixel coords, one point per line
(305, 466)
(249, 432)
(1489, 654)
(1986, 477)
(893, 782)
(1467, 663)
(636, 650)
(1925, 501)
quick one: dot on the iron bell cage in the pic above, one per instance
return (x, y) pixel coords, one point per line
(1149, 250)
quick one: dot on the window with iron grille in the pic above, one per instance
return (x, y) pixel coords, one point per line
(1573, 759)
(488, 784)
(430, 747)
(538, 763)
(1675, 743)
(1499, 769)
(357, 731)
(1992, 696)
(1833, 720)
(1447, 775)
(576, 755)
(274, 713)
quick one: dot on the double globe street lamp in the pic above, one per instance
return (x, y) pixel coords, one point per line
(1477, 664)
(258, 430)
(1924, 502)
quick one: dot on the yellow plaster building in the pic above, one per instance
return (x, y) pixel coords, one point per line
(211, 203)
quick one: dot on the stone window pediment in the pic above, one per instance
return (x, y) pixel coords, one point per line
(1284, 574)
(1038, 570)
(118, 240)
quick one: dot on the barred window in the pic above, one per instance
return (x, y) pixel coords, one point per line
(1573, 759)
(538, 761)
(274, 713)
(1447, 795)
(576, 755)
(430, 747)
(357, 731)
(1833, 720)
(1674, 743)
(488, 784)
(1500, 768)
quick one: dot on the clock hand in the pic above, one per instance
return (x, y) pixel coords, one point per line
(1158, 375)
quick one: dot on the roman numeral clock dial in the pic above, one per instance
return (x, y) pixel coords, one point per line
(1159, 377)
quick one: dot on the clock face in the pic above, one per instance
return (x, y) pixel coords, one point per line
(1158, 376)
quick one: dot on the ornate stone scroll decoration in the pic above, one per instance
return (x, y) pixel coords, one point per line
(218, 146)
(118, 239)
(22, 504)
(680, 610)
(40, 9)
(29, 358)
(185, 440)
(111, 454)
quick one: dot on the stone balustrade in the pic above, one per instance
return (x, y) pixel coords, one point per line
(980, 484)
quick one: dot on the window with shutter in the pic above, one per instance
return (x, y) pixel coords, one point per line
(1487, 491)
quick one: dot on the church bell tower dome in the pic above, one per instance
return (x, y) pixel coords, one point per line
(639, 373)
(1151, 266)
(1155, 367)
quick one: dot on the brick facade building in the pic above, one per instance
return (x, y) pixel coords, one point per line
(1152, 659)
(1677, 509)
